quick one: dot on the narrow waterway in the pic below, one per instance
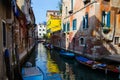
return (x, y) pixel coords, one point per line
(52, 64)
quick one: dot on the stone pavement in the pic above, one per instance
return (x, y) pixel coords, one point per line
(115, 57)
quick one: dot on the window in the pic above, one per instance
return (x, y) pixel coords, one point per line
(64, 27)
(43, 30)
(4, 34)
(40, 34)
(81, 41)
(74, 24)
(116, 40)
(106, 19)
(85, 21)
(68, 26)
(39, 29)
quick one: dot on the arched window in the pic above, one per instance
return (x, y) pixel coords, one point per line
(82, 41)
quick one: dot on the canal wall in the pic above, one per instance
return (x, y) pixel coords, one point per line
(109, 59)
(23, 56)
(78, 53)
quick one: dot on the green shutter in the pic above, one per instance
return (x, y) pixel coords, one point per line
(74, 24)
(63, 27)
(108, 19)
(68, 26)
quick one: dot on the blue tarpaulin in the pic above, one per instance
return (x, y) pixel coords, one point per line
(62, 52)
(83, 59)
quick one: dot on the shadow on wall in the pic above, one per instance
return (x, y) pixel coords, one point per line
(90, 40)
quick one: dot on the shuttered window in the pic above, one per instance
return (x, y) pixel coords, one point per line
(106, 19)
(64, 27)
(85, 21)
(68, 26)
(74, 24)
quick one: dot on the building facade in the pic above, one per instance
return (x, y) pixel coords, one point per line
(14, 36)
(54, 27)
(89, 27)
(41, 31)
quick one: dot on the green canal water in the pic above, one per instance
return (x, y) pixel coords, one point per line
(51, 62)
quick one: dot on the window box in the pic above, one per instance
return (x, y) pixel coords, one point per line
(106, 30)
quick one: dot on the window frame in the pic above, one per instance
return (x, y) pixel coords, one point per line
(85, 21)
(106, 19)
(74, 24)
(68, 26)
(64, 27)
(84, 40)
(116, 40)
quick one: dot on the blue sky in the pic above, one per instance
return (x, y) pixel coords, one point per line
(41, 6)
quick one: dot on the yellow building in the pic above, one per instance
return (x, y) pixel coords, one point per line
(53, 22)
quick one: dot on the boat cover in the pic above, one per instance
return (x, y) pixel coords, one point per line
(32, 73)
(83, 59)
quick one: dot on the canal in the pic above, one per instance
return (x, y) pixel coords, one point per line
(52, 64)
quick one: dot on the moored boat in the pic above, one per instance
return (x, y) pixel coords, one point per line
(67, 54)
(84, 61)
(97, 65)
(32, 73)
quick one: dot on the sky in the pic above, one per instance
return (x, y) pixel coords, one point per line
(41, 6)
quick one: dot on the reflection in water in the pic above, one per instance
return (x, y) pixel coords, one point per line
(51, 65)
(68, 73)
(54, 66)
